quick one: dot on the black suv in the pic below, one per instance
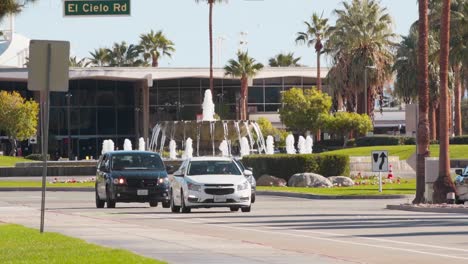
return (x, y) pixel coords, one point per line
(131, 176)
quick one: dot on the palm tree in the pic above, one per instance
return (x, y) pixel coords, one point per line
(124, 55)
(12, 7)
(406, 69)
(99, 57)
(444, 183)
(284, 60)
(210, 28)
(316, 32)
(156, 45)
(362, 37)
(244, 68)
(74, 62)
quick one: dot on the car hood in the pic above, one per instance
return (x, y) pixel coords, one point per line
(139, 173)
(217, 179)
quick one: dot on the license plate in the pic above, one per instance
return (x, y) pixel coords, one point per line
(219, 199)
(142, 192)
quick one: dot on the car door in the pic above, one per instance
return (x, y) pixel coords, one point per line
(177, 182)
(102, 171)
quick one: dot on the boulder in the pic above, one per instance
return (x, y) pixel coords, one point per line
(309, 180)
(268, 180)
(341, 181)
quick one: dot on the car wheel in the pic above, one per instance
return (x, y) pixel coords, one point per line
(234, 209)
(184, 208)
(166, 204)
(252, 198)
(246, 209)
(153, 204)
(174, 209)
(110, 202)
(99, 203)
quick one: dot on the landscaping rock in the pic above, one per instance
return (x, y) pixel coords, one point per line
(342, 181)
(309, 180)
(268, 180)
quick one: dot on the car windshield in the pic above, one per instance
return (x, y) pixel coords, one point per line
(137, 161)
(213, 167)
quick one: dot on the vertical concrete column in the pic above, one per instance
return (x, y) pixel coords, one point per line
(145, 109)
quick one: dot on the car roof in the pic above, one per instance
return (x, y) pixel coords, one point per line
(210, 158)
(123, 152)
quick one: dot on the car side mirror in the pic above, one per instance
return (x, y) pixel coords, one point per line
(459, 171)
(248, 173)
(170, 169)
(178, 174)
(249, 168)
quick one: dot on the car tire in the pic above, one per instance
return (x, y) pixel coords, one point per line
(110, 202)
(153, 204)
(184, 209)
(166, 204)
(234, 209)
(246, 209)
(99, 203)
(174, 209)
(252, 198)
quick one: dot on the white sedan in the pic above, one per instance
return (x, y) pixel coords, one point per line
(205, 182)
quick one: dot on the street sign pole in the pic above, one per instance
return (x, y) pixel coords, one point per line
(380, 181)
(45, 133)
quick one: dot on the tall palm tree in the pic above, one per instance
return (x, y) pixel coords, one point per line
(156, 45)
(284, 60)
(124, 55)
(406, 69)
(210, 28)
(423, 98)
(444, 183)
(362, 37)
(315, 35)
(244, 68)
(99, 57)
(12, 7)
(74, 62)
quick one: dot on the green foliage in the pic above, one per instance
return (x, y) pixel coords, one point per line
(286, 165)
(344, 122)
(284, 60)
(305, 110)
(155, 45)
(18, 117)
(378, 141)
(8, 161)
(404, 152)
(460, 140)
(27, 245)
(36, 157)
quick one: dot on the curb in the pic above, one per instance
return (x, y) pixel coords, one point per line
(331, 197)
(428, 210)
(49, 189)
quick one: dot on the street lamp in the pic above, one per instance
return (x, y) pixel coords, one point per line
(365, 86)
(68, 96)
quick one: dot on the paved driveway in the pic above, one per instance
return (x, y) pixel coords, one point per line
(278, 230)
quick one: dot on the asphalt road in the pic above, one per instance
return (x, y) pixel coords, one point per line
(278, 230)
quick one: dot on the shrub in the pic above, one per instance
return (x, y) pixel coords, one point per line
(409, 141)
(377, 141)
(36, 157)
(459, 140)
(327, 145)
(286, 165)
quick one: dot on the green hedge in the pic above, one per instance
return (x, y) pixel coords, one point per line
(378, 141)
(459, 140)
(36, 157)
(286, 165)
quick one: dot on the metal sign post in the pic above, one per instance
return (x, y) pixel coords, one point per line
(48, 71)
(380, 164)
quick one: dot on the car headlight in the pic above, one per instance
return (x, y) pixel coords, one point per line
(243, 186)
(194, 187)
(163, 181)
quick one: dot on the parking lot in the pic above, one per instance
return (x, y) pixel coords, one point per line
(278, 230)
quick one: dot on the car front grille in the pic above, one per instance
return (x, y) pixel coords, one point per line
(141, 183)
(219, 191)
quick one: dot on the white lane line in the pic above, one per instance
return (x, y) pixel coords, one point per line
(329, 239)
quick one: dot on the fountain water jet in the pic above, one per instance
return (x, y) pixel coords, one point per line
(188, 152)
(127, 144)
(172, 149)
(270, 146)
(301, 145)
(309, 145)
(290, 144)
(141, 144)
(244, 147)
(208, 107)
(224, 148)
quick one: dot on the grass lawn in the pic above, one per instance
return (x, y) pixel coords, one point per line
(31, 184)
(456, 151)
(407, 187)
(19, 244)
(8, 161)
(404, 152)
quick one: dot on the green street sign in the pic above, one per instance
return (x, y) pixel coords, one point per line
(96, 7)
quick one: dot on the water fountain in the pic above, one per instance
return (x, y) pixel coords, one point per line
(210, 134)
(141, 144)
(290, 144)
(309, 144)
(172, 149)
(188, 152)
(270, 145)
(301, 145)
(127, 144)
(244, 147)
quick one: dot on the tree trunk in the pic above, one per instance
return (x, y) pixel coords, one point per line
(244, 96)
(319, 79)
(155, 62)
(423, 94)
(444, 183)
(13, 146)
(457, 95)
(211, 46)
(433, 120)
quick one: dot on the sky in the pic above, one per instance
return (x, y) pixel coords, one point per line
(269, 26)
